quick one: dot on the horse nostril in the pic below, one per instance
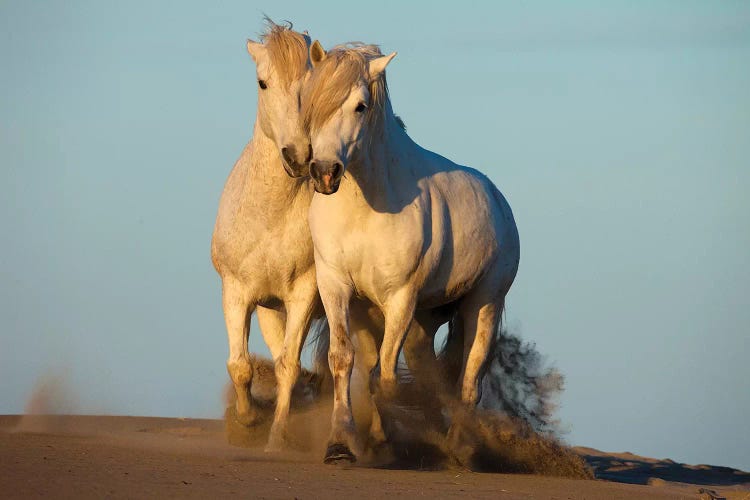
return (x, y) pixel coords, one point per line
(287, 154)
(313, 169)
(338, 169)
(309, 153)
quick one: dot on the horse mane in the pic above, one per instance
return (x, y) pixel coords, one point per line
(287, 50)
(400, 122)
(333, 78)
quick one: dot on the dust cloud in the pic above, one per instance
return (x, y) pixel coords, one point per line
(52, 395)
(513, 429)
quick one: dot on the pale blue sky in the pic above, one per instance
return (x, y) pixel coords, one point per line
(619, 132)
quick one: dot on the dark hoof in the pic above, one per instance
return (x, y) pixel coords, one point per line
(337, 453)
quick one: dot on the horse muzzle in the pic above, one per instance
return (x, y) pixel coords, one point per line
(295, 162)
(326, 175)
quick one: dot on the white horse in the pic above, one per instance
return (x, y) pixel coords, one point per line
(261, 245)
(406, 230)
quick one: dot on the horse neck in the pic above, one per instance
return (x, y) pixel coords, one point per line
(384, 166)
(266, 181)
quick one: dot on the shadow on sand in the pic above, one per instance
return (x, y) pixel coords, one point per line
(633, 469)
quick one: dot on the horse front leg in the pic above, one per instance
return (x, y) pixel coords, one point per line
(287, 363)
(237, 311)
(342, 440)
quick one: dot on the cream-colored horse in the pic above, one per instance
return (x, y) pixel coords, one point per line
(406, 230)
(261, 244)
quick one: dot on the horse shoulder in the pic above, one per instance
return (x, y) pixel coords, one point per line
(229, 206)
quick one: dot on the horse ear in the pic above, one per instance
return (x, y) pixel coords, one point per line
(256, 50)
(317, 53)
(376, 66)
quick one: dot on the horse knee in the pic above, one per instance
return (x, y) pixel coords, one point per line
(287, 369)
(240, 370)
(340, 354)
(340, 361)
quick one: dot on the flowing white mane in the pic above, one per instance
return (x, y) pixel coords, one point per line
(287, 50)
(344, 66)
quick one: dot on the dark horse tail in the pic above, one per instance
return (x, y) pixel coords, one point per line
(320, 339)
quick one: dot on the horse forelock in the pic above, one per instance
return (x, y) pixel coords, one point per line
(287, 51)
(333, 78)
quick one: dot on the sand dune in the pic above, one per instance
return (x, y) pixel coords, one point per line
(96, 456)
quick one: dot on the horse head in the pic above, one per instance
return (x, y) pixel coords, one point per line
(343, 107)
(281, 60)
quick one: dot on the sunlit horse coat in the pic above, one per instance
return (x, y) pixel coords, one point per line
(261, 245)
(396, 224)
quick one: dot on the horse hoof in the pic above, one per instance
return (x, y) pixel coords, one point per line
(275, 445)
(337, 453)
(249, 419)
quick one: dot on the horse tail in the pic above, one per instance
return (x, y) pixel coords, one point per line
(321, 339)
(518, 381)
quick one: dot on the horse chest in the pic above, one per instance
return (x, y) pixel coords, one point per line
(267, 257)
(376, 266)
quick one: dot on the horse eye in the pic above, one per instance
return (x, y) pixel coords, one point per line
(262, 84)
(360, 107)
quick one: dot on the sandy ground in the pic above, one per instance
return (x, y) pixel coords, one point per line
(106, 456)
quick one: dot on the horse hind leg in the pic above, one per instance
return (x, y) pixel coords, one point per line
(480, 320)
(419, 352)
(398, 315)
(480, 325)
(366, 367)
(237, 311)
(451, 357)
(287, 367)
